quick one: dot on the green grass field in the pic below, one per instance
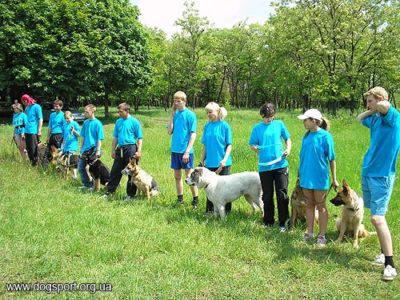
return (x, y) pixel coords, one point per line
(52, 233)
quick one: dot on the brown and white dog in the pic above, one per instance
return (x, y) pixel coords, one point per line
(145, 183)
(221, 190)
(352, 215)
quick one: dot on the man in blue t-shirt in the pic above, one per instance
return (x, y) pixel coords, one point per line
(33, 128)
(126, 144)
(182, 127)
(379, 167)
(92, 134)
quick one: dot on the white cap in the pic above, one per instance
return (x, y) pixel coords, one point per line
(311, 113)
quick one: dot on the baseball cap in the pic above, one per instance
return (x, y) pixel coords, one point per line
(311, 113)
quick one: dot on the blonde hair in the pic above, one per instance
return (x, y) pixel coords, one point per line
(222, 112)
(181, 95)
(377, 92)
(68, 114)
(17, 106)
(91, 107)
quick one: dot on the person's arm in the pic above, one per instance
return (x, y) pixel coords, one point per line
(98, 148)
(171, 120)
(113, 146)
(335, 183)
(139, 144)
(382, 107)
(185, 157)
(254, 148)
(227, 153)
(288, 143)
(365, 114)
(40, 127)
(203, 154)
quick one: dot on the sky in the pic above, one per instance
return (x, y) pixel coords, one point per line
(220, 13)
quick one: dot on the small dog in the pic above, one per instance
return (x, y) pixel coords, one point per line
(97, 169)
(299, 204)
(352, 214)
(68, 163)
(221, 190)
(145, 182)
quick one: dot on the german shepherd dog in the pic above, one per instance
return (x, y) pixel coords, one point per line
(97, 169)
(42, 155)
(145, 182)
(352, 215)
(298, 204)
(67, 163)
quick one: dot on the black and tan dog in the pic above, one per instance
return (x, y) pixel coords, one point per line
(145, 182)
(298, 205)
(68, 163)
(352, 215)
(97, 169)
(43, 155)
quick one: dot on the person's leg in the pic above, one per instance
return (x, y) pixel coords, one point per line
(21, 146)
(193, 189)
(30, 147)
(115, 174)
(128, 153)
(320, 202)
(179, 184)
(281, 186)
(310, 210)
(268, 197)
(86, 181)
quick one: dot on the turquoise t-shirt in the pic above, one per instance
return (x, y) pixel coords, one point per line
(34, 114)
(92, 132)
(184, 123)
(216, 137)
(269, 139)
(19, 119)
(70, 141)
(56, 122)
(380, 159)
(127, 131)
(317, 150)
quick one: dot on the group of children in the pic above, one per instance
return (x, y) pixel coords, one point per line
(270, 139)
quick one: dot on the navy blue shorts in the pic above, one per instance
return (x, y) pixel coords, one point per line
(177, 163)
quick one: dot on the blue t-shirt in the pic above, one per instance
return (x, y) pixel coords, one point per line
(92, 132)
(70, 141)
(19, 119)
(216, 137)
(56, 122)
(268, 138)
(34, 114)
(317, 150)
(380, 159)
(184, 123)
(127, 131)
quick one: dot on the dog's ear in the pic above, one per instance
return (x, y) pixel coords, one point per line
(346, 188)
(200, 171)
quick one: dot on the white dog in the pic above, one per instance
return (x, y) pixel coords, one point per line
(221, 190)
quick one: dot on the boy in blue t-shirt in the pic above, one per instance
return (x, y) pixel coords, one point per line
(182, 127)
(92, 134)
(126, 144)
(379, 168)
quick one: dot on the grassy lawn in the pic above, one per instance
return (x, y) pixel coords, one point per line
(52, 233)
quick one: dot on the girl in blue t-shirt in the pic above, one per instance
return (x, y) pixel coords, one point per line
(217, 145)
(317, 152)
(267, 141)
(19, 122)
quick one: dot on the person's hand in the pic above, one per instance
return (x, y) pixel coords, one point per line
(222, 163)
(286, 153)
(138, 155)
(185, 157)
(113, 154)
(23, 136)
(255, 148)
(98, 153)
(39, 134)
(335, 184)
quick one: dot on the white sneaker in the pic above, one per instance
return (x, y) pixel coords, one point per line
(282, 229)
(389, 273)
(128, 198)
(379, 260)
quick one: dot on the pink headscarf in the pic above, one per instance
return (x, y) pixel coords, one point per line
(28, 99)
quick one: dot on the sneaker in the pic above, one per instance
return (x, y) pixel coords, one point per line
(105, 196)
(389, 273)
(195, 204)
(308, 237)
(282, 229)
(128, 198)
(179, 202)
(379, 260)
(321, 241)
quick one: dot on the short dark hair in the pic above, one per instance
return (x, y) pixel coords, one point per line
(267, 110)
